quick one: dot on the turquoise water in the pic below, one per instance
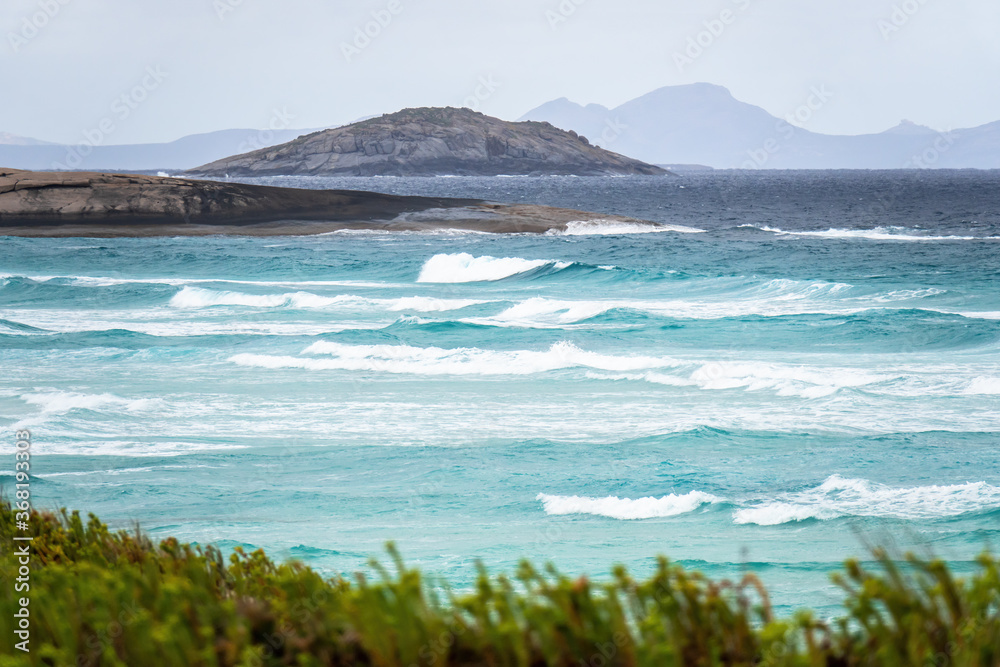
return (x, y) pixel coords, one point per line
(759, 387)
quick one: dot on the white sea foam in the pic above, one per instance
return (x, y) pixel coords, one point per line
(442, 231)
(540, 312)
(102, 473)
(439, 361)
(426, 304)
(108, 281)
(616, 227)
(905, 295)
(626, 508)
(197, 297)
(108, 447)
(61, 402)
(156, 323)
(984, 385)
(782, 379)
(839, 496)
(875, 234)
(771, 299)
(464, 268)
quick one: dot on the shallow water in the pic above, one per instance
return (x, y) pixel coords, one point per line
(800, 364)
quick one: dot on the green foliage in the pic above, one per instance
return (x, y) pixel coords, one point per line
(117, 598)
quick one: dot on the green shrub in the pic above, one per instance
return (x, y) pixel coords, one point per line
(117, 598)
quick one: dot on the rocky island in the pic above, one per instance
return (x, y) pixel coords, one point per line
(108, 205)
(429, 142)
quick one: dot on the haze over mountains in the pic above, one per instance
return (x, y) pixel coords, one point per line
(704, 124)
(24, 153)
(700, 124)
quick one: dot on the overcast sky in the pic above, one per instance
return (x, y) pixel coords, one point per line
(187, 66)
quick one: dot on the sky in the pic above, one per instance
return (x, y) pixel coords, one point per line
(136, 71)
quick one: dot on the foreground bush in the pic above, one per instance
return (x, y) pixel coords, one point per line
(103, 598)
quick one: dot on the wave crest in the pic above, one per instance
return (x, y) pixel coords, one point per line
(464, 268)
(440, 361)
(61, 402)
(198, 297)
(874, 234)
(989, 386)
(839, 497)
(626, 508)
(617, 227)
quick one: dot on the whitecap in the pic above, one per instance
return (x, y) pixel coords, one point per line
(607, 227)
(984, 385)
(464, 268)
(874, 234)
(61, 402)
(839, 497)
(626, 508)
(198, 297)
(785, 380)
(439, 361)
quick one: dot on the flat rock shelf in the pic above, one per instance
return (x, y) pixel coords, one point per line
(66, 204)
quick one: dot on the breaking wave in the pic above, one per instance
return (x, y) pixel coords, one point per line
(198, 297)
(626, 508)
(840, 497)
(875, 234)
(459, 361)
(616, 227)
(464, 268)
(61, 402)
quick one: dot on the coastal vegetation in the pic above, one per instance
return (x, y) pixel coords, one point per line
(100, 597)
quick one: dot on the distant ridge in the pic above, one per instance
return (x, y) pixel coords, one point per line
(704, 124)
(433, 141)
(183, 153)
(8, 139)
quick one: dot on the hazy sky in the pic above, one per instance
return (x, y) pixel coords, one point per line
(186, 66)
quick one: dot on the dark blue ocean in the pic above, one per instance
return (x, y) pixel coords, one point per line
(797, 366)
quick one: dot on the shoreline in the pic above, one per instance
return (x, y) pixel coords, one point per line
(100, 205)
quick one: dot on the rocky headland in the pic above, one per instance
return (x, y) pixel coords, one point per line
(108, 205)
(433, 141)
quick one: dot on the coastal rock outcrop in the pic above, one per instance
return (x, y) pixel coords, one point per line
(433, 141)
(96, 204)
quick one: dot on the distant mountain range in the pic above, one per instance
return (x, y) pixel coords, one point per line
(8, 139)
(703, 124)
(24, 153)
(677, 126)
